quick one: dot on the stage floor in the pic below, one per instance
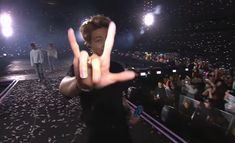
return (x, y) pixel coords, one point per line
(36, 112)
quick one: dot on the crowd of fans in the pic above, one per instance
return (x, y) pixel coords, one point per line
(203, 81)
(197, 90)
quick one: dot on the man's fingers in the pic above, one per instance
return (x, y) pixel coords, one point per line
(96, 70)
(73, 43)
(83, 65)
(109, 43)
(123, 76)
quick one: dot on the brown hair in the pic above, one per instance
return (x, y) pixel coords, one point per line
(33, 45)
(92, 24)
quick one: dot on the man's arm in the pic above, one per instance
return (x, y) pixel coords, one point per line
(31, 58)
(41, 58)
(69, 87)
(92, 72)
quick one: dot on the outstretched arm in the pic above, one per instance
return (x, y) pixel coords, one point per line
(92, 72)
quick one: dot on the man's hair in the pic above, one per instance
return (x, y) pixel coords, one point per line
(92, 24)
(51, 44)
(33, 45)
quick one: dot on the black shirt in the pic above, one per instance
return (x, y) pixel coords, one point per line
(103, 111)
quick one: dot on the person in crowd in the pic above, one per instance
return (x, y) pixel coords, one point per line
(160, 96)
(217, 100)
(170, 90)
(230, 101)
(52, 56)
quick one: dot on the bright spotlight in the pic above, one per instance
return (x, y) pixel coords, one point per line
(186, 69)
(5, 20)
(174, 71)
(7, 31)
(158, 72)
(143, 74)
(148, 19)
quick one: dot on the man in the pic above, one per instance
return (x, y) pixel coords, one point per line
(97, 81)
(36, 60)
(160, 97)
(52, 56)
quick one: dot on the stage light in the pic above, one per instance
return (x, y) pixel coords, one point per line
(157, 10)
(186, 69)
(148, 19)
(5, 20)
(7, 31)
(6, 25)
(174, 71)
(143, 74)
(158, 72)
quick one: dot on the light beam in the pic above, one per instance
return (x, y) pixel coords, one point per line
(149, 19)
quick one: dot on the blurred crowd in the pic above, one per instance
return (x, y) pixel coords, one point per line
(201, 93)
(203, 81)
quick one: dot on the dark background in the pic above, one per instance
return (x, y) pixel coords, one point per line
(202, 28)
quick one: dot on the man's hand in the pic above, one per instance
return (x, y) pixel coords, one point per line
(93, 72)
(134, 119)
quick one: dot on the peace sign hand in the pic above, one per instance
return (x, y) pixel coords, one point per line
(93, 72)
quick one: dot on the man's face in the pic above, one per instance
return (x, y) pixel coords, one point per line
(159, 84)
(97, 40)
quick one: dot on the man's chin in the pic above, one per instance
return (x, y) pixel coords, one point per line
(99, 53)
